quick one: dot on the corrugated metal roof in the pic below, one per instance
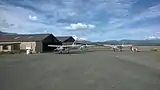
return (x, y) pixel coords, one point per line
(23, 37)
(10, 43)
(63, 38)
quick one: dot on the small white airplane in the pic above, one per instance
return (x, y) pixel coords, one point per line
(114, 46)
(62, 48)
(119, 47)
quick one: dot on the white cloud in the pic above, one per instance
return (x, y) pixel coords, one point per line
(117, 7)
(158, 32)
(80, 26)
(16, 20)
(130, 33)
(78, 38)
(114, 20)
(45, 31)
(91, 26)
(75, 37)
(152, 37)
(34, 18)
(72, 13)
(82, 38)
(151, 12)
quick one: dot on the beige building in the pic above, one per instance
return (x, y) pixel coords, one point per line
(9, 47)
(37, 42)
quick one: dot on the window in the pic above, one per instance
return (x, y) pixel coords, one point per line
(5, 47)
(16, 47)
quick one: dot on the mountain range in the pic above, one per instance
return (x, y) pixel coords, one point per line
(1, 33)
(114, 42)
(6, 33)
(133, 42)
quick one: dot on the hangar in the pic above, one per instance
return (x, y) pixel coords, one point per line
(37, 42)
(65, 40)
(9, 47)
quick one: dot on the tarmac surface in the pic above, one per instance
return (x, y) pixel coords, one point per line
(94, 70)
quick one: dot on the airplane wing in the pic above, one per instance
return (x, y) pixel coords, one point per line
(108, 45)
(127, 45)
(64, 46)
(57, 46)
(118, 45)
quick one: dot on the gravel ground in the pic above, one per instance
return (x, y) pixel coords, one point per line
(94, 70)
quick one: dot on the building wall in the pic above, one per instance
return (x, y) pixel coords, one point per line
(7, 50)
(11, 48)
(69, 41)
(23, 46)
(16, 47)
(1, 48)
(51, 40)
(39, 47)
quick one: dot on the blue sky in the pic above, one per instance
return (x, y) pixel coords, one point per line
(96, 20)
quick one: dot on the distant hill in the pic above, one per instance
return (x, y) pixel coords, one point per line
(5, 33)
(116, 42)
(134, 42)
(1, 33)
(83, 42)
(113, 42)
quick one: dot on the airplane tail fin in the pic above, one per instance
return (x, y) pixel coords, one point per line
(122, 43)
